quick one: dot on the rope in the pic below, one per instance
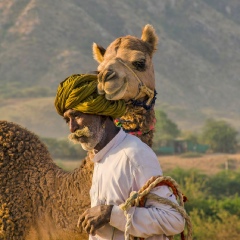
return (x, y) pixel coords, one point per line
(139, 198)
(142, 87)
(144, 103)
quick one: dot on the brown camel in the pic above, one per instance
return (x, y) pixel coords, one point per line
(38, 200)
(126, 72)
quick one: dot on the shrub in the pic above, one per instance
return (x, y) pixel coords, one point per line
(224, 184)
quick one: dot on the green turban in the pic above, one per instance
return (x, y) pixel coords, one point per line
(79, 92)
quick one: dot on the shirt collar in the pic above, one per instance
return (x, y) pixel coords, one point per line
(112, 144)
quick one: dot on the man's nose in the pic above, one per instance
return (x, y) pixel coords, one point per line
(73, 126)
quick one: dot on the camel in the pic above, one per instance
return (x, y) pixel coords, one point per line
(126, 72)
(38, 200)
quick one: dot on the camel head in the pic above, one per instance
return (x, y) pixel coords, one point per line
(125, 67)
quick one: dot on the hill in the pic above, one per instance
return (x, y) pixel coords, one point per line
(196, 65)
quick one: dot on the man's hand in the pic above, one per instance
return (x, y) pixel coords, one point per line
(94, 218)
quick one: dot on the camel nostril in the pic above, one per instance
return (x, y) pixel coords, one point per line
(100, 77)
(105, 76)
(110, 74)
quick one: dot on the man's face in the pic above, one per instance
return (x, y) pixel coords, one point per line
(86, 129)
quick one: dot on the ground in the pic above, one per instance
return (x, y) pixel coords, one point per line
(209, 163)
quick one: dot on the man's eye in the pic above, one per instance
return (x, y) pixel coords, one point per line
(77, 115)
(66, 120)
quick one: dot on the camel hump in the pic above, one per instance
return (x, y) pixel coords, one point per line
(20, 148)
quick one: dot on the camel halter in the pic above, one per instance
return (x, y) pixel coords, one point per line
(142, 87)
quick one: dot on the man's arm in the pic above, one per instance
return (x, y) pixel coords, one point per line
(154, 219)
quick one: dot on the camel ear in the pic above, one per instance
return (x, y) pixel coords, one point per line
(149, 35)
(98, 52)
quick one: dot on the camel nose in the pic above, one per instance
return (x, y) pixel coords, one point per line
(110, 74)
(106, 75)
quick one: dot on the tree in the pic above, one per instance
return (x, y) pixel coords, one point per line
(220, 136)
(165, 128)
(190, 136)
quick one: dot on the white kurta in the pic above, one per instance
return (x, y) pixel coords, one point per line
(124, 165)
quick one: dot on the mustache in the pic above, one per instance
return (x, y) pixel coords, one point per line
(85, 132)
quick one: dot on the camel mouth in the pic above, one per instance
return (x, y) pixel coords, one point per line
(100, 89)
(118, 94)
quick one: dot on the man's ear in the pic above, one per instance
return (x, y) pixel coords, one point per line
(98, 52)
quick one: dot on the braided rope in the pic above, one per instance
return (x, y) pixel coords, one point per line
(137, 197)
(153, 181)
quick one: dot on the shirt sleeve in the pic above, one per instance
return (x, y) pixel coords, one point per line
(145, 222)
(155, 218)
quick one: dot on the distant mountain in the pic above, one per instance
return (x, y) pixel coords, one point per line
(197, 64)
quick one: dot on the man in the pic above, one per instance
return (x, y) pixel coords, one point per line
(122, 164)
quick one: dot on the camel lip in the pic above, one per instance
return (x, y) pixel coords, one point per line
(119, 93)
(100, 89)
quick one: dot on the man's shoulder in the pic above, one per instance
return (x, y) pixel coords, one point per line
(134, 143)
(136, 150)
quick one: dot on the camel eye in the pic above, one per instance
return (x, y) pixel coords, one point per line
(140, 65)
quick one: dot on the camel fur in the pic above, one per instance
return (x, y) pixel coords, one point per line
(38, 200)
(126, 72)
